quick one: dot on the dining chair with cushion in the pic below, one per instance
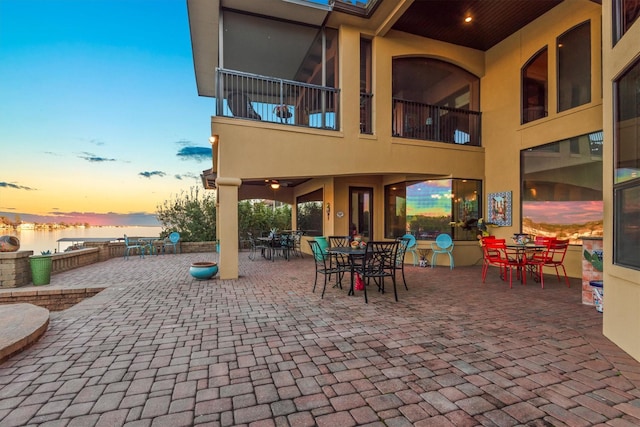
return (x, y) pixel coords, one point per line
(324, 266)
(172, 242)
(442, 245)
(412, 247)
(135, 246)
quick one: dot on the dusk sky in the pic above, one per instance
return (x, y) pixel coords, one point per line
(99, 112)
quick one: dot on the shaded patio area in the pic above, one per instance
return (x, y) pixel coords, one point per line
(159, 348)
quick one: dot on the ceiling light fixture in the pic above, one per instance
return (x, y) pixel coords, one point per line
(468, 19)
(275, 184)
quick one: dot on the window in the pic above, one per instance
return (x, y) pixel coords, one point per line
(366, 96)
(435, 100)
(625, 13)
(562, 188)
(535, 81)
(309, 213)
(574, 67)
(428, 208)
(627, 169)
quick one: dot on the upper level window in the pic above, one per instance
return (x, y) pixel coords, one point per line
(625, 13)
(574, 67)
(535, 81)
(366, 96)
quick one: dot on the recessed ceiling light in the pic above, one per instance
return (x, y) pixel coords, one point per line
(468, 19)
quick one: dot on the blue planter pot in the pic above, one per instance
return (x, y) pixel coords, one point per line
(203, 270)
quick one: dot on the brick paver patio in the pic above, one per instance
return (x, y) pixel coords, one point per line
(158, 348)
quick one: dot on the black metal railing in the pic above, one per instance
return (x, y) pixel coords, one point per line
(366, 100)
(251, 96)
(427, 122)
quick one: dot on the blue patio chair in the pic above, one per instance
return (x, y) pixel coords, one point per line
(442, 245)
(173, 240)
(128, 246)
(412, 247)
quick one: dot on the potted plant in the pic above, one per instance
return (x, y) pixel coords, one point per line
(41, 268)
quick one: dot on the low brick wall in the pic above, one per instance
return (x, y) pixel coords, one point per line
(15, 270)
(51, 299)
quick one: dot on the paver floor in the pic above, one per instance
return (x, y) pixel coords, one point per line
(159, 348)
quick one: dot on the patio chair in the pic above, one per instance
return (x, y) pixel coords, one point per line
(240, 105)
(324, 266)
(172, 241)
(492, 256)
(257, 246)
(412, 247)
(128, 246)
(342, 261)
(403, 243)
(442, 245)
(379, 262)
(555, 257)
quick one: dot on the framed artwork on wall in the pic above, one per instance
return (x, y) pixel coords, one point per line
(499, 208)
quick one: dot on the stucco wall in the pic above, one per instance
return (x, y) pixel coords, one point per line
(622, 293)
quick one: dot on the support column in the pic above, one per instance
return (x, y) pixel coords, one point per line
(227, 226)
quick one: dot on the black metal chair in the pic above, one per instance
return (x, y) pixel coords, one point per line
(379, 262)
(256, 246)
(403, 244)
(324, 266)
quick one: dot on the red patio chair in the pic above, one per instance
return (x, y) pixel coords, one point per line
(555, 258)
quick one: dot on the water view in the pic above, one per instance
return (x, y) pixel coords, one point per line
(47, 240)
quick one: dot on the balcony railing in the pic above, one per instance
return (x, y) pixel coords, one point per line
(255, 97)
(427, 122)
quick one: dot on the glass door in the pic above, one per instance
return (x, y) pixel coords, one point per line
(361, 212)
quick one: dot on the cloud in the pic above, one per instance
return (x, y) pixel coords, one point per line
(184, 176)
(15, 186)
(195, 153)
(95, 159)
(152, 173)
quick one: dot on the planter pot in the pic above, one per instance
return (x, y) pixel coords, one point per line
(203, 270)
(40, 269)
(9, 244)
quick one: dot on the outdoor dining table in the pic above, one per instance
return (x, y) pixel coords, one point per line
(149, 242)
(353, 254)
(523, 251)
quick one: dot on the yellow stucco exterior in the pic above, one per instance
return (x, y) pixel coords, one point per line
(337, 160)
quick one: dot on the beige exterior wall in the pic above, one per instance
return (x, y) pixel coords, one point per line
(622, 310)
(249, 150)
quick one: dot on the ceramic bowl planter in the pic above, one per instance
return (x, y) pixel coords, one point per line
(203, 270)
(9, 244)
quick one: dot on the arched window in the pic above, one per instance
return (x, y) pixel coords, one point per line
(535, 81)
(574, 67)
(435, 100)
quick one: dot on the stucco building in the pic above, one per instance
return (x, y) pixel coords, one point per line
(396, 116)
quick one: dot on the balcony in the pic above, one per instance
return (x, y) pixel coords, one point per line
(268, 99)
(427, 122)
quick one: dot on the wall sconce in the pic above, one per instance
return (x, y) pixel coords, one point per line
(328, 210)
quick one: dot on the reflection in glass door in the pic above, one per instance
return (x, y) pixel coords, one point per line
(361, 211)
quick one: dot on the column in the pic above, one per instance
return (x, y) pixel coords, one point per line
(227, 226)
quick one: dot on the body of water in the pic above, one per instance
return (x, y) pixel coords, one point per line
(47, 240)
